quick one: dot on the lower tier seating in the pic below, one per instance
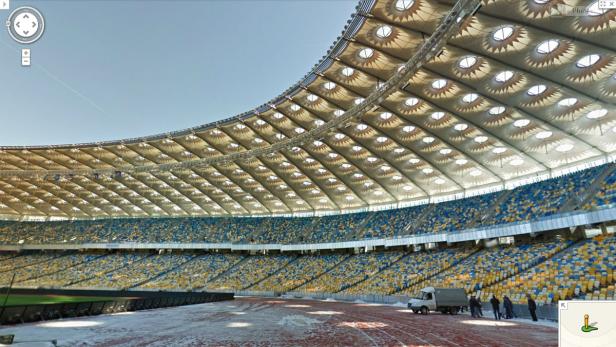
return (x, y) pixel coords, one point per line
(550, 270)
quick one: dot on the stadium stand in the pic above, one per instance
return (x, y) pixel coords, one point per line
(351, 271)
(524, 203)
(606, 195)
(194, 273)
(138, 272)
(549, 269)
(408, 270)
(249, 272)
(583, 271)
(305, 269)
(489, 266)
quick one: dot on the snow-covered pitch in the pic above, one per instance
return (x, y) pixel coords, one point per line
(281, 322)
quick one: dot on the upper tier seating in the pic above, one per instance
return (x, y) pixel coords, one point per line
(456, 214)
(543, 198)
(606, 194)
(524, 203)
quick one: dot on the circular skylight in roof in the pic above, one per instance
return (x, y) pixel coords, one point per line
(541, 2)
(499, 150)
(594, 10)
(536, 90)
(381, 139)
(427, 170)
(371, 159)
(407, 188)
(361, 126)
(445, 151)
(461, 161)
(347, 71)
(383, 31)
(356, 148)
(439, 84)
(481, 139)
(385, 115)
(496, 110)
(339, 136)
(543, 134)
(520, 123)
(428, 139)
(588, 60)
(437, 115)
(502, 33)
(402, 5)
(460, 126)
(344, 166)
(467, 62)
(568, 102)
(470, 97)
(329, 85)
(408, 128)
(260, 122)
(319, 122)
(413, 161)
(516, 162)
(410, 102)
(312, 98)
(439, 181)
(503, 76)
(366, 53)
(475, 173)
(359, 101)
(565, 147)
(547, 46)
(299, 130)
(338, 113)
(596, 114)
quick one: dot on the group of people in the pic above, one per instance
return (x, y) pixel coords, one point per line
(474, 304)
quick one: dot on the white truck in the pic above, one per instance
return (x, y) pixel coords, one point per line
(444, 300)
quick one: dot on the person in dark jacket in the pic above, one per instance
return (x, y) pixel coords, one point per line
(472, 305)
(479, 310)
(495, 307)
(508, 305)
(532, 307)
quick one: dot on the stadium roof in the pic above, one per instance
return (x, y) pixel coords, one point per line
(391, 114)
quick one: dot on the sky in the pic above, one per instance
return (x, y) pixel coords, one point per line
(114, 69)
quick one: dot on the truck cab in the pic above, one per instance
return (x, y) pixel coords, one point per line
(444, 300)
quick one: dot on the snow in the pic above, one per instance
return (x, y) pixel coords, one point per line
(276, 322)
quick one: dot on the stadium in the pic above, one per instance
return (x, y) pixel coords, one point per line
(463, 147)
